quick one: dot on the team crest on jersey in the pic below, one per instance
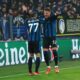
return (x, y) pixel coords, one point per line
(61, 26)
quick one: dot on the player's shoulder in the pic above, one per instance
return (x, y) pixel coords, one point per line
(33, 20)
(53, 17)
(41, 19)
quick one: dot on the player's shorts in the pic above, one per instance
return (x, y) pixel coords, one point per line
(49, 42)
(33, 47)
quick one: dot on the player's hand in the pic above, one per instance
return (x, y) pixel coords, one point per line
(57, 13)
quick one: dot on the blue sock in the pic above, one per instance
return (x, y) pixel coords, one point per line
(30, 64)
(55, 57)
(37, 63)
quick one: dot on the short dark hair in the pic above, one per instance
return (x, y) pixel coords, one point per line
(47, 9)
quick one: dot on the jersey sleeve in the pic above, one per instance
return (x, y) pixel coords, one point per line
(53, 17)
(41, 19)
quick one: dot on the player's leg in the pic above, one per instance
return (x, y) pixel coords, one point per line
(37, 62)
(56, 61)
(30, 64)
(47, 61)
(30, 58)
(47, 55)
(55, 53)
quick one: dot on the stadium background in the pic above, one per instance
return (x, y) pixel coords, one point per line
(14, 14)
(68, 37)
(12, 31)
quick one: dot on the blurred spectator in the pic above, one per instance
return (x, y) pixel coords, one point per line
(72, 6)
(5, 26)
(22, 8)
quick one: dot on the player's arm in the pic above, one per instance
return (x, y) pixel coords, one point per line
(42, 32)
(26, 21)
(41, 21)
(56, 14)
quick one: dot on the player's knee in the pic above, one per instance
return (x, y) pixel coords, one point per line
(31, 55)
(38, 55)
(45, 49)
(55, 48)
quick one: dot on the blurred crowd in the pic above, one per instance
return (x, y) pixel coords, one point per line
(68, 8)
(8, 8)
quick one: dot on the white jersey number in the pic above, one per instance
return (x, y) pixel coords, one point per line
(31, 26)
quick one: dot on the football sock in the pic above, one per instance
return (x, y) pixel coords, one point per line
(47, 57)
(30, 64)
(55, 57)
(37, 64)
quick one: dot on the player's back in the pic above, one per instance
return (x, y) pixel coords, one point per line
(34, 30)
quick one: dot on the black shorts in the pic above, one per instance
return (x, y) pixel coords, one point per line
(49, 42)
(33, 47)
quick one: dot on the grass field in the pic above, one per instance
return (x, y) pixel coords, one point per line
(69, 70)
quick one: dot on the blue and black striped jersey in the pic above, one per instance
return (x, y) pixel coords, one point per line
(49, 27)
(34, 30)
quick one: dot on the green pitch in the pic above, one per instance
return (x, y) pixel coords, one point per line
(69, 70)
